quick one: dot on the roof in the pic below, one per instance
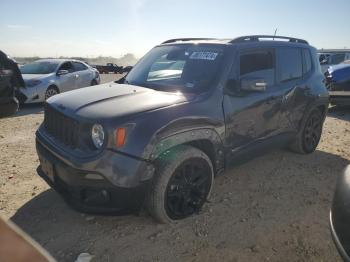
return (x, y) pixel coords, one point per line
(242, 39)
(333, 51)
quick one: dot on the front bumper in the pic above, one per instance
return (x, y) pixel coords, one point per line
(90, 195)
(28, 95)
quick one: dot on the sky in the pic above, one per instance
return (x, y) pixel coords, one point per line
(92, 28)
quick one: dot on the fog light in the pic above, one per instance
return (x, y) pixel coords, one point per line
(94, 177)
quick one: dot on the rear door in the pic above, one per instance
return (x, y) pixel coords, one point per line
(291, 84)
(83, 75)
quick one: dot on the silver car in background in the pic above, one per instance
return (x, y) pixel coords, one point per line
(47, 77)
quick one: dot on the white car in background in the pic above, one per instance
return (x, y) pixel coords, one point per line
(47, 77)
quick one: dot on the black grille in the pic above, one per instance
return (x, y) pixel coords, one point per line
(63, 128)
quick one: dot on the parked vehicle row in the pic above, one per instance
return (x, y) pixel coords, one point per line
(47, 77)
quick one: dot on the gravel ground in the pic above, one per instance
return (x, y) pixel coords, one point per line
(273, 208)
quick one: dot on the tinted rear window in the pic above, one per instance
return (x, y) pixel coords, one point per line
(290, 64)
(79, 66)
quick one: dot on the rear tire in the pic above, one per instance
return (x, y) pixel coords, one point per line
(182, 184)
(51, 91)
(309, 136)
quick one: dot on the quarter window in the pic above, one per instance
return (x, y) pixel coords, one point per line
(258, 64)
(290, 64)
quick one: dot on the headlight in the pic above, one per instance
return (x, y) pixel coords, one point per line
(97, 135)
(32, 83)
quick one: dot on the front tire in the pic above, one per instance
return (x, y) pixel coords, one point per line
(309, 136)
(182, 184)
(51, 91)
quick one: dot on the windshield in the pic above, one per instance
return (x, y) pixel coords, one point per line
(42, 67)
(186, 68)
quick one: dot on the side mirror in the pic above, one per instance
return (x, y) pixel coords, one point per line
(253, 85)
(62, 72)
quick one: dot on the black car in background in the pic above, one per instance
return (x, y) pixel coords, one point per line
(10, 80)
(186, 111)
(340, 215)
(109, 68)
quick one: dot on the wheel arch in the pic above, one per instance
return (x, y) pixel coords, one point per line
(320, 106)
(53, 85)
(206, 140)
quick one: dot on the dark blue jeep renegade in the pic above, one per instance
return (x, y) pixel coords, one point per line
(188, 109)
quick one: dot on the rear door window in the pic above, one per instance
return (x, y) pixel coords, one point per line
(289, 64)
(258, 63)
(79, 66)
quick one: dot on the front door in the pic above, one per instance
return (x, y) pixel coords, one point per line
(253, 115)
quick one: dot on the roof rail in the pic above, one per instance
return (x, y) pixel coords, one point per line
(255, 38)
(185, 39)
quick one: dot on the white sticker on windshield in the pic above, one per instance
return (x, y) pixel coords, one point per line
(204, 55)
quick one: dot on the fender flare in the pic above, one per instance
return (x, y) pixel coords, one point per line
(308, 110)
(160, 145)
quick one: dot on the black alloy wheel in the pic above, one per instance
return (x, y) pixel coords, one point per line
(188, 188)
(312, 131)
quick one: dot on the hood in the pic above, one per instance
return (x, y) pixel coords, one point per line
(340, 73)
(27, 77)
(338, 67)
(113, 100)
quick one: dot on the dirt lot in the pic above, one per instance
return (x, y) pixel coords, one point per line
(273, 208)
